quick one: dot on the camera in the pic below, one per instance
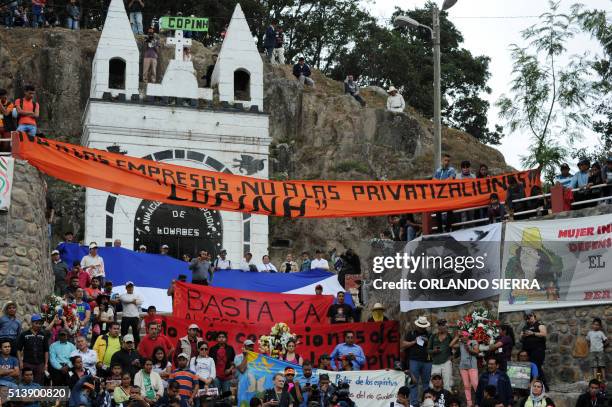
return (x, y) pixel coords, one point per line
(342, 395)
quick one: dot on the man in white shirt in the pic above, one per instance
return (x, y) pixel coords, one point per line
(395, 101)
(222, 263)
(266, 266)
(94, 264)
(131, 311)
(247, 263)
(319, 262)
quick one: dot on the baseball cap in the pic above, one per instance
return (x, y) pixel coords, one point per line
(129, 283)
(249, 342)
(55, 252)
(436, 376)
(128, 338)
(193, 326)
(36, 317)
(164, 246)
(142, 247)
(182, 355)
(289, 370)
(223, 251)
(93, 245)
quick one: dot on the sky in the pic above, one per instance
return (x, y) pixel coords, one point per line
(492, 37)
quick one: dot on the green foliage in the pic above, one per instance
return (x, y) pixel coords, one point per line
(351, 165)
(597, 23)
(548, 99)
(403, 57)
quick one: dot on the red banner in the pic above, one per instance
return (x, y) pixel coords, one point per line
(379, 340)
(214, 304)
(185, 186)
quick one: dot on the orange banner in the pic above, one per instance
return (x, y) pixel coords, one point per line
(178, 185)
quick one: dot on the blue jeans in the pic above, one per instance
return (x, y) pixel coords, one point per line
(28, 128)
(136, 21)
(72, 24)
(422, 370)
(37, 16)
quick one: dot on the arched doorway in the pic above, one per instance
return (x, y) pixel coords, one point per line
(185, 230)
(242, 85)
(116, 73)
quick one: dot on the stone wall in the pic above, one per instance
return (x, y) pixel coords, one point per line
(25, 269)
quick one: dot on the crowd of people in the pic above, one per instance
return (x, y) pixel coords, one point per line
(40, 13)
(590, 183)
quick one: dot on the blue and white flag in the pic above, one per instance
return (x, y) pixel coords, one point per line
(152, 274)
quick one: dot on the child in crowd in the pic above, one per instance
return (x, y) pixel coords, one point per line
(597, 341)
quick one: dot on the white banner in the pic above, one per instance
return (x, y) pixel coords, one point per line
(6, 181)
(570, 258)
(370, 388)
(483, 241)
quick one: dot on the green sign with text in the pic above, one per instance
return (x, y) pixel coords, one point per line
(184, 23)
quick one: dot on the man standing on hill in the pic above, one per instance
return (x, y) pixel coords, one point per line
(278, 55)
(270, 39)
(444, 172)
(135, 8)
(28, 111)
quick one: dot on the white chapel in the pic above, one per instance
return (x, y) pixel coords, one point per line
(175, 122)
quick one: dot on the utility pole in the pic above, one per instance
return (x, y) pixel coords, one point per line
(437, 120)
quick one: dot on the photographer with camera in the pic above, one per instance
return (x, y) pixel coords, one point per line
(322, 395)
(341, 397)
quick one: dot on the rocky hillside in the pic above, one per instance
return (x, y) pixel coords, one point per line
(317, 133)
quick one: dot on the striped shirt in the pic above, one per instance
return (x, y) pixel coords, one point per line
(187, 381)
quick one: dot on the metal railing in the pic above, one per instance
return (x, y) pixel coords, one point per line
(528, 211)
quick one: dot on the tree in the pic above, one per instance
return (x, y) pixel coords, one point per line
(596, 23)
(403, 57)
(548, 99)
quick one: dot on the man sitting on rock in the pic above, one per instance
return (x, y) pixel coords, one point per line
(352, 88)
(301, 71)
(395, 101)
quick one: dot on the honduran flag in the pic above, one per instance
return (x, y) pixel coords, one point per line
(152, 274)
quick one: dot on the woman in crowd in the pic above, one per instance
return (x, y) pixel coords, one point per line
(533, 338)
(468, 365)
(122, 392)
(204, 366)
(537, 397)
(103, 315)
(290, 356)
(77, 371)
(150, 383)
(161, 365)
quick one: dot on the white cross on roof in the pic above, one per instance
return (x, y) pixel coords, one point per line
(179, 42)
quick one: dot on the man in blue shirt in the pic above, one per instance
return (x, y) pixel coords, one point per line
(10, 326)
(581, 178)
(565, 178)
(270, 39)
(59, 358)
(9, 365)
(445, 172)
(349, 349)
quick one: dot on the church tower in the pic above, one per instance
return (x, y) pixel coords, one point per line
(116, 63)
(176, 123)
(239, 70)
